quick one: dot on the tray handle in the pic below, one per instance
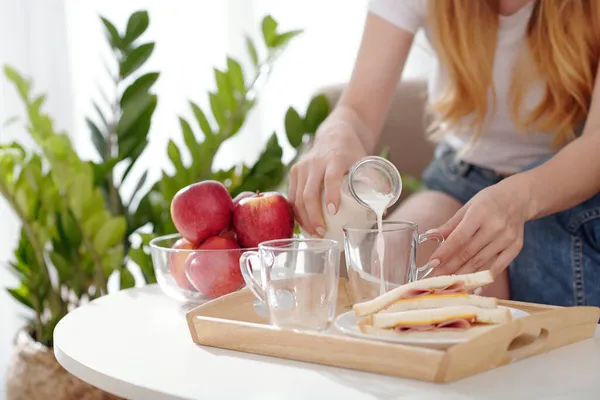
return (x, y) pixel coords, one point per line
(527, 344)
(517, 340)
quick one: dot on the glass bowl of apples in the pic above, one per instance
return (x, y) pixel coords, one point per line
(197, 275)
(201, 261)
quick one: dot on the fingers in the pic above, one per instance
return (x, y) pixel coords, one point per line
(312, 200)
(297, 194)
(333, 178)
(468, 254)
(453, 222)
(459, 232)
(505, 258)
(485, 257)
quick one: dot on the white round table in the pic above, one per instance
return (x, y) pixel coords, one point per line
(136, 344)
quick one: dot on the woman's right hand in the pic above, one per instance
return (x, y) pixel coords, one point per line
(325, 164)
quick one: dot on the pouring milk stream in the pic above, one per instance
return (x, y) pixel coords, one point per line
(370, 188)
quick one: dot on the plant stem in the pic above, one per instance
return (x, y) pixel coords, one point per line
(99, 279)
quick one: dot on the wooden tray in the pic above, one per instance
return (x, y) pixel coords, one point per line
(230, 322)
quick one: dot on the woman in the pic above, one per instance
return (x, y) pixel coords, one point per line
(514, 184)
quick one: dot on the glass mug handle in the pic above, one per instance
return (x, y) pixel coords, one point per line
(246, 269)
(432, 234)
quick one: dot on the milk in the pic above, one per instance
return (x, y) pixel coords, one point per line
(378, 202)
(377, 184)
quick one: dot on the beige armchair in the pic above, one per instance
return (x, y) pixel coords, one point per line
(404, 130)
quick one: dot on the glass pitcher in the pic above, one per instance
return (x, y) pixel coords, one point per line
(371, 173)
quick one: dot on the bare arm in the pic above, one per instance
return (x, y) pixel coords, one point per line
(367, 97)
(572, 175)
(353, 128)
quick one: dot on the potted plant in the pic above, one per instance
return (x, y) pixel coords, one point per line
(77, 229)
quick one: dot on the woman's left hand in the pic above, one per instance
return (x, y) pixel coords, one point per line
(486, 233)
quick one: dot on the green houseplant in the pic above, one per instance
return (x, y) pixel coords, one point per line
(78, 229)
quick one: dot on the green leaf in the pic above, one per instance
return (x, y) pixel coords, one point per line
(136, 26)
(102, 117)
(139, 185)
(188, 135)
(294, 127)
(98, 139)
(175, 157)
(133, 140)
(10, 121)
(236, 76)
(252, 51)
(62, 266)
(284, 38)
(141, 86)
(131, 113)
(135, 59)
(225, 90)
(144, 261)
(269, 27)
(385, 152)
(232, 177)
(22, 295)
(411, 184)
(23, 85)
(70, 230)
(100, 170)
(202, 121)
(112, 34)
(267, 172)
(110, 234)
(317, 111)
(217, 110)
(126, 278)
(94, 222)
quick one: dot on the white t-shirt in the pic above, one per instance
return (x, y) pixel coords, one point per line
(499, 147)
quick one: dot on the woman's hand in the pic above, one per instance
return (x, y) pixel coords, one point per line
(331, 156)
(487, 233)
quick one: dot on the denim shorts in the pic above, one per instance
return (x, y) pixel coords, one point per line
(560, 260)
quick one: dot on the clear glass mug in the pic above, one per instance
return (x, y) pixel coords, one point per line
(401, 239)
(298, 281)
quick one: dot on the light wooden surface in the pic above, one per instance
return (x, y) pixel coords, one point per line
(230, 322)
(136, 343)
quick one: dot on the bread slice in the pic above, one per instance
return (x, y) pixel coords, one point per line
(449, 300)
(435, 334)
(478, 315)
(470, 282)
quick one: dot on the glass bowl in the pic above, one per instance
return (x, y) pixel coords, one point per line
(193, 275)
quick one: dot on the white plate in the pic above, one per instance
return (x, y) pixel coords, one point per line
(346, 323)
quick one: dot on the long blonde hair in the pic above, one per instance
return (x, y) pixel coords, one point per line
(562, 49)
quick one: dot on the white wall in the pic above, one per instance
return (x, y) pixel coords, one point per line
(34, 42)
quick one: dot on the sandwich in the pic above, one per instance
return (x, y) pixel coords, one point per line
(431, 293)
(462, 321)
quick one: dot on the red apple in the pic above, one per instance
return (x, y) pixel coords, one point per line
(262, 217)
(176, 261)
(229, 234)
(201, 210)
(215, 271)
(241, 196)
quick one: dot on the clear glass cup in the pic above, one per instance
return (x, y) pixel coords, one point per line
(298, 281)
(401, 239)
